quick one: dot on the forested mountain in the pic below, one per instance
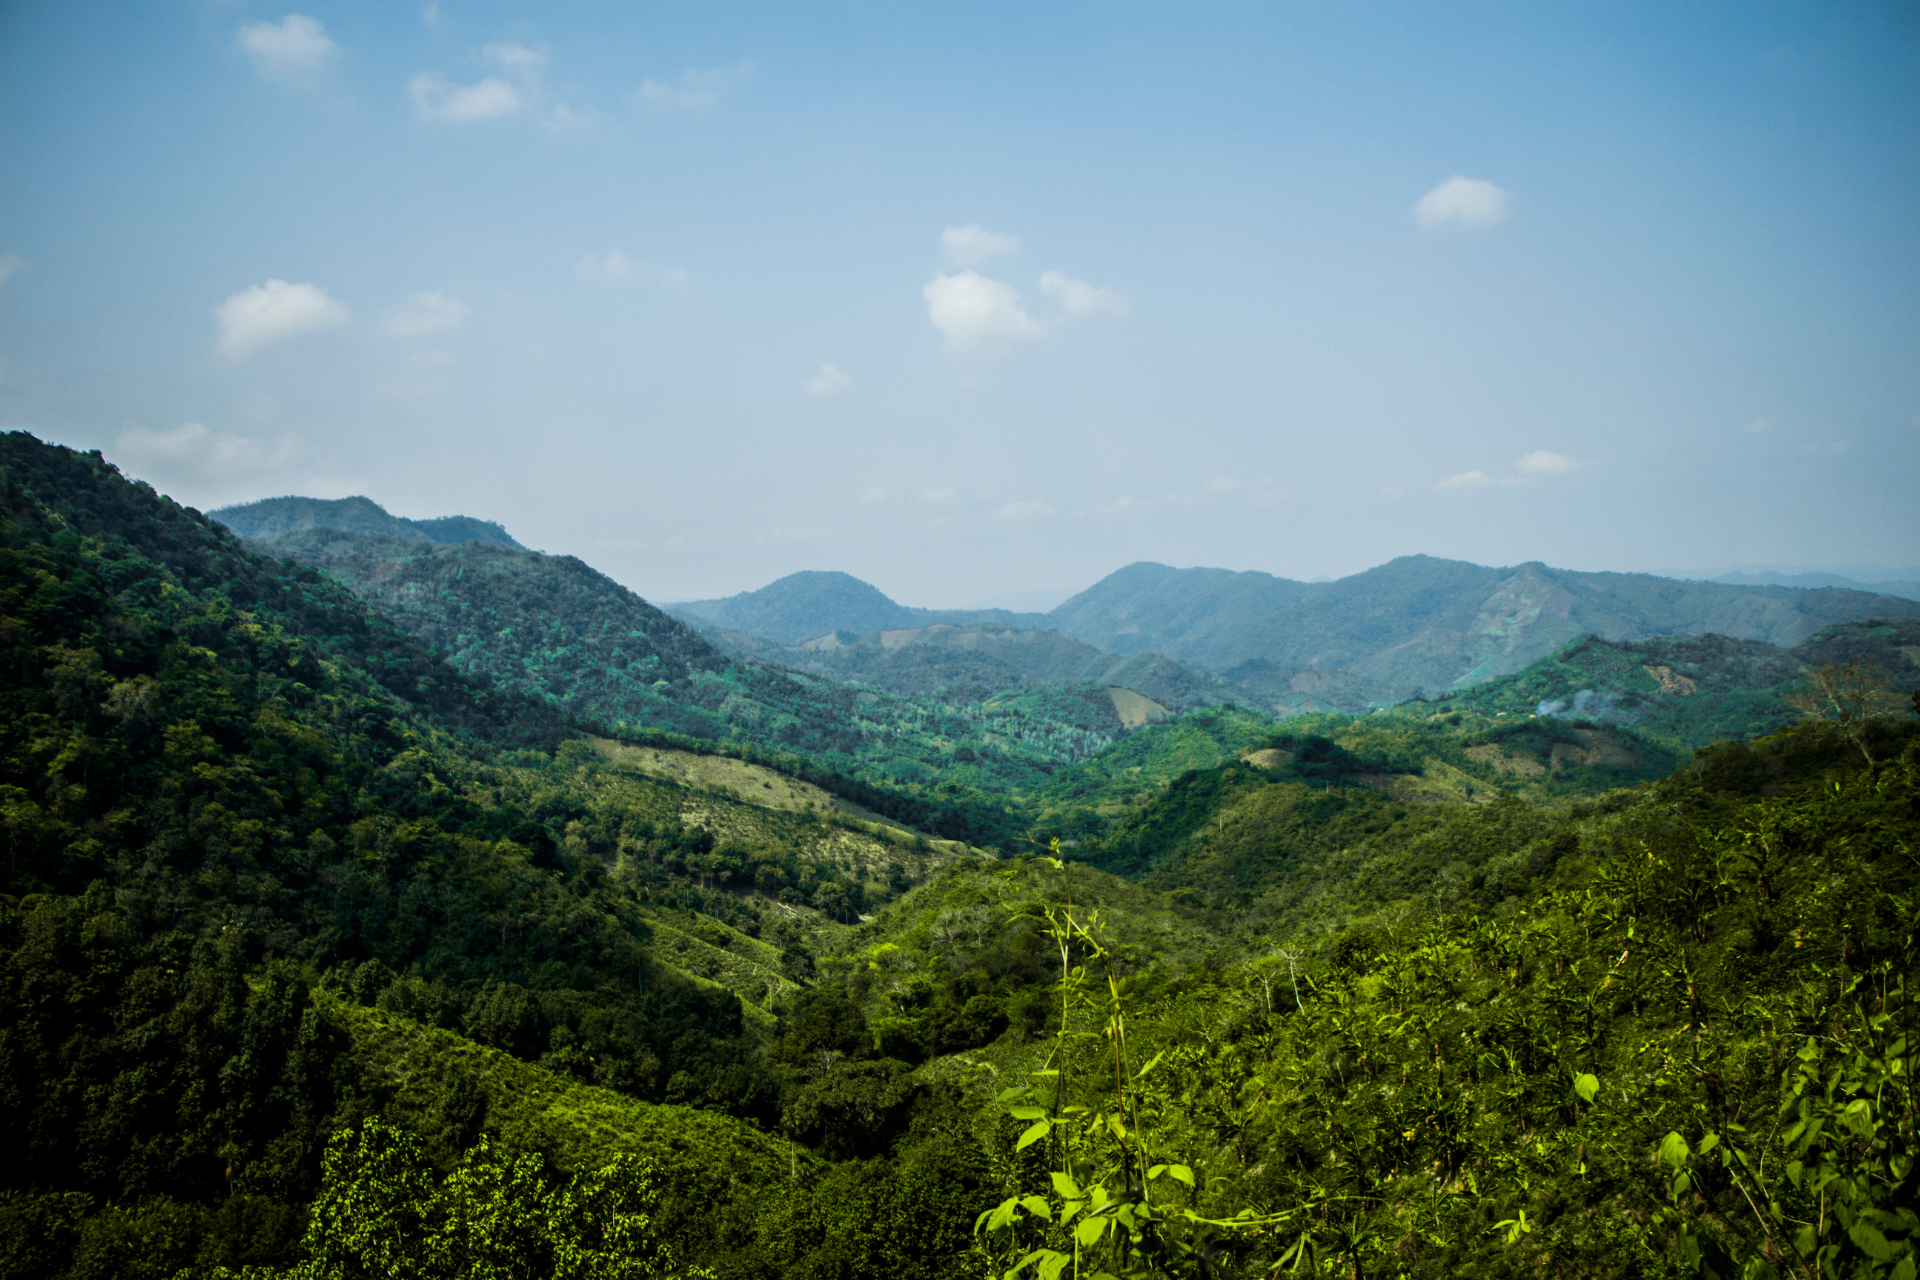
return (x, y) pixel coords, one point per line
(1421, 625)
(324, 958)
(812, 603)
(978, 660)
(1907, 588)
(1416, 626)
(271, 516)
(554, 629)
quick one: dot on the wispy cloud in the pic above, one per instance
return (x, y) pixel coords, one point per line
(424, 313)
(437, 99)
(1544, 462)
(939, 497)
(874, 496)
(294, 49)
(1468, 480)
(693, 90)
(971, 245)
(11, 264)
(616, 267)
(1080, 300)
(830, 380)
(1467, 201)
(273, 312)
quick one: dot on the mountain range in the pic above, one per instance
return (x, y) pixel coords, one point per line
(329, 949)
(1416, 626)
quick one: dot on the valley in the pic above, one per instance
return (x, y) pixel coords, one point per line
(1437, 920)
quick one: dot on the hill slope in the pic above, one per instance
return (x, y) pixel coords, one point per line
(978, 660)
(1419, 625)
(271, 516)
(812, 603)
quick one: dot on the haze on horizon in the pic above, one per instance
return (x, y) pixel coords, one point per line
(971, 302)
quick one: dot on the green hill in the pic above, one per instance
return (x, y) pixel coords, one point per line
(274, 516)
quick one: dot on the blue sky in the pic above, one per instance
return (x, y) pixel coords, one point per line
(980, 299)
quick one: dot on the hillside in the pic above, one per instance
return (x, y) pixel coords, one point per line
(1689, 692)
(271, 516)
(812, 603)
(975, 661)
(554, 629)
(1418, 625)
(318, 956)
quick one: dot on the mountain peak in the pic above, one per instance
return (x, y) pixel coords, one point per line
(358, 514)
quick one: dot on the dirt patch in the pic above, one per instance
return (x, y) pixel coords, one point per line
(899, 639)
(1671, 681)
(1268, 758)
(1520, 766)
(1136, 709)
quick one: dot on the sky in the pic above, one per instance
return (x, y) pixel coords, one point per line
(977, 300)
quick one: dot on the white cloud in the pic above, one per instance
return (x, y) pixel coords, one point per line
(424, 313)
(1758, 427)
(431, 15)
(1467, 480)
(1221, 484)
(193, 453)
(1542, 462)
(437, 99)
(273, 312)
(694, 90)
(976, 313)
(939, 497)
(294, 47)
(831, 380)
(971, 245)
(874, 496)
(1468, 201)
(1023, 511)
(618, 267)
(1080, 300)
(11, 263)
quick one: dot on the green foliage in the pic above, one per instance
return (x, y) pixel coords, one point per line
(381, 1211)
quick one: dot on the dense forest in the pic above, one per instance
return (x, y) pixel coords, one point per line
(325, 957)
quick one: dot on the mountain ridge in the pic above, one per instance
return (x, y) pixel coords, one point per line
(272, 516)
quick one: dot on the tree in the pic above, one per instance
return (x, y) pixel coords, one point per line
(1849, 697)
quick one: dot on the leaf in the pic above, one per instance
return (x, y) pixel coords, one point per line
(1065, 1187)
(1034, 1133)
(1027, 1113)
(1181, 1173)
(1038, 1207)
(1871, 1242)
(1088, 1233)
(1053, 1264)
(1586, 1086)
(997, 1219)
(1674, 1150)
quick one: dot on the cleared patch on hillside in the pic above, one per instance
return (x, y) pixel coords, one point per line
(1136, 710)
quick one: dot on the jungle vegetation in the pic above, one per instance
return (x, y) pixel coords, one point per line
(324, 958)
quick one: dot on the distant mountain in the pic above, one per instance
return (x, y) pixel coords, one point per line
(812, 603)
(974, 661)
(559, 630)
(272, 516)
(1894, 587)
(1420, 625)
